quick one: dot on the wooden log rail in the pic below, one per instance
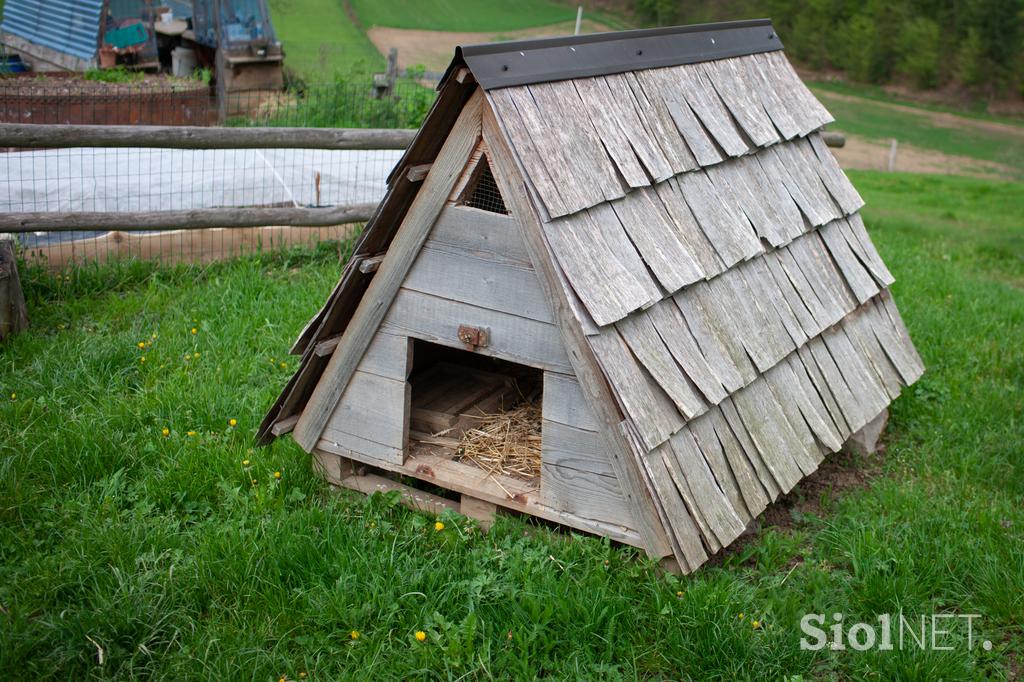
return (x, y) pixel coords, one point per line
(51, 136)
(185, 220)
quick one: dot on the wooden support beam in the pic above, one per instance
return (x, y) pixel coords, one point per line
(50, 136)
(368, 265)
(13, 313)
(481, 511)
(194, 219)
(284, 426)
(326, 347)
(418, 172)
(411, 497)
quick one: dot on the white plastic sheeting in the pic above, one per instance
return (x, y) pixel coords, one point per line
(142, 179)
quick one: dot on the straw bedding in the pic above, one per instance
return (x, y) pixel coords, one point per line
(505, 442)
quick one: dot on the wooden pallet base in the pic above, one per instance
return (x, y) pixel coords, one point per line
(481, 494)
(346, 473)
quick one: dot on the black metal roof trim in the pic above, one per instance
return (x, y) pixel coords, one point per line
(522, 62)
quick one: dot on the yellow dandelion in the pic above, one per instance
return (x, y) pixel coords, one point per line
(194, 330)
(14, 396)
(142, 344)
(154, 336)
(196, 354)
(190, 434)
(166, 431)
(756, 624)
(245, 462)
(284, 365)
(740, 616)
(277, 475)
(354, 634)
(232, 422)
(421, 636)
(679, 594)
(439, 526)
(254, 482)
(142, 358)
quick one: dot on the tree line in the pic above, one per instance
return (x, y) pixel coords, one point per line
(928, 43)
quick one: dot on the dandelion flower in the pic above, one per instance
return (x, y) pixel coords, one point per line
(166, 431)
(421, 636)
(190, 434)
(284, 365)
(756, 624)
(232, 422)
(245, 462)
(142, 344)
(679, 594)
(354, 634)
(254, 482)
(142, 358)
(439, 526)
(740, 616)
(154, 336)
(277, 475)
(194, 330)
(14, 396)
(196, 354)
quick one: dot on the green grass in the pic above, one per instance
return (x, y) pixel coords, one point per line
(976, 109)
(463, 15)
(162, 552)
(874, 120)
(320, 40)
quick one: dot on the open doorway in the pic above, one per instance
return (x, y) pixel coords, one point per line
(476, 410)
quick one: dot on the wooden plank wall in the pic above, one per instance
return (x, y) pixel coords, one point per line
(371, 418)
(473, 270)
(577, 475)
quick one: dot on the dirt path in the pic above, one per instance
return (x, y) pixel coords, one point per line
(863, 154)
(939, 119)
(434, 49)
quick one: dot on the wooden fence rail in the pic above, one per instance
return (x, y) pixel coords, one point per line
(194, 219)
(41, 135)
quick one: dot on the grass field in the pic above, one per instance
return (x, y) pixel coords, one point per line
(127, 553)
(320, 40)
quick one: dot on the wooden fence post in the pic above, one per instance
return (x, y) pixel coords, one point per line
(13, 313)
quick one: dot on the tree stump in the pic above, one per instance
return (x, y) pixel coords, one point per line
(13, 313)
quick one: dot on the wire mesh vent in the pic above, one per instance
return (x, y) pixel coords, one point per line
(484, 194)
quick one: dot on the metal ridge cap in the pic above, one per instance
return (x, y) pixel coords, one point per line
(605, 37)
(522, 62)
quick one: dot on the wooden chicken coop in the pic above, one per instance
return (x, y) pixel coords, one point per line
(617, 282)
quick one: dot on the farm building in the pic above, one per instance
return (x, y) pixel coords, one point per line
(632, 257)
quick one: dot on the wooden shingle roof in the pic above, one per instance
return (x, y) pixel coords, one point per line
(726, 283)
(712, 254)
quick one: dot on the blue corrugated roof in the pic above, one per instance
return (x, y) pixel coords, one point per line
(69, 26)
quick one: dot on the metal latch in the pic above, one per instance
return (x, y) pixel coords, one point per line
(473, 337)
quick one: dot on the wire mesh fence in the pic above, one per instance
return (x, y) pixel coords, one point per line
(141, 179)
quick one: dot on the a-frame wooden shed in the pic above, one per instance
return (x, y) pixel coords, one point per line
(650, 225)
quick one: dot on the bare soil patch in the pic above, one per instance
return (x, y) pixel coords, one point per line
(864, 154)
(434, 49)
